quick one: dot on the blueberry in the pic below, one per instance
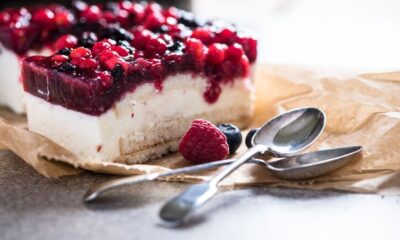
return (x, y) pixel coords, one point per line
(249, 137)
(65, 51)
(233, 135)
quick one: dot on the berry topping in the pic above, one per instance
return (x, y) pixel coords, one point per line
(250, 47)
(58, 60)
(113, 48)
(106, 79)
(66, 41)
(92, 14)
(216, 53)
(64, 19)
(100, 47)
(121, 50)
(249, 137)
(84, 63)
(109, 59)
(203, 142)
(87, 39)
(233, 135)
(203, 34)
(154, 20)
(65, 51)
(195, 49)
(45, 17)
(80, 52)
(156, 46)
(227, 36)
(235, 52)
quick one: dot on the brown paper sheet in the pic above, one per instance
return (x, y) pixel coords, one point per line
(362, 109)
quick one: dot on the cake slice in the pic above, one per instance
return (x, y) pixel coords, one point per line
(131, 101)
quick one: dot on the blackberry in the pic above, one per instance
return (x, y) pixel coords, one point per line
(126, 45)
(189, 20)
(177, 46)
(66, 67)
(117, 72)
(233, 135)
(117, 33)
(65, 51)
(88, 39)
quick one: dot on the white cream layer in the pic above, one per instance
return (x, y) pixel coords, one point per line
(11, 90)
(141, 119)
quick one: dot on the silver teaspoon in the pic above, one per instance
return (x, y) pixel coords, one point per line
(299, 167)
(284, 135)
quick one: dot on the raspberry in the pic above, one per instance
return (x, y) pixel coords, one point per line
(227, 36)
(203, 34)
(156, 46)
(84, 63)
(109, 59)
(203, 142)
(80, 52)
(100, 47)
(59, 58)
(122, 51)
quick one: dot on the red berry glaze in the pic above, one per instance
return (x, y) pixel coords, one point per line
(204, 142)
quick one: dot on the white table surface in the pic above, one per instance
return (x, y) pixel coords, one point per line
(334, 33)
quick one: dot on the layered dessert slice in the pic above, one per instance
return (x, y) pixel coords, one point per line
(43, 30)
(131, 101)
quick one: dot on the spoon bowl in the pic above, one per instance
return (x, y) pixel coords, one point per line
(292, 132)
(313, 164)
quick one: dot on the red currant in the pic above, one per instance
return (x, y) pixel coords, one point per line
(66, 41)
(92, 13)
(216, 53)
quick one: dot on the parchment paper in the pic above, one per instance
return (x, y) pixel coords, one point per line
(362, 109)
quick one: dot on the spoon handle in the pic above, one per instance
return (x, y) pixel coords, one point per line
(179, 208)
(97, 190)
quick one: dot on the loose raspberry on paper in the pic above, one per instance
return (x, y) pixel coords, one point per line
(203, 142)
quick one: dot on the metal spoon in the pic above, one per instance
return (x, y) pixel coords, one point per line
(298, 167)
(284, 135)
